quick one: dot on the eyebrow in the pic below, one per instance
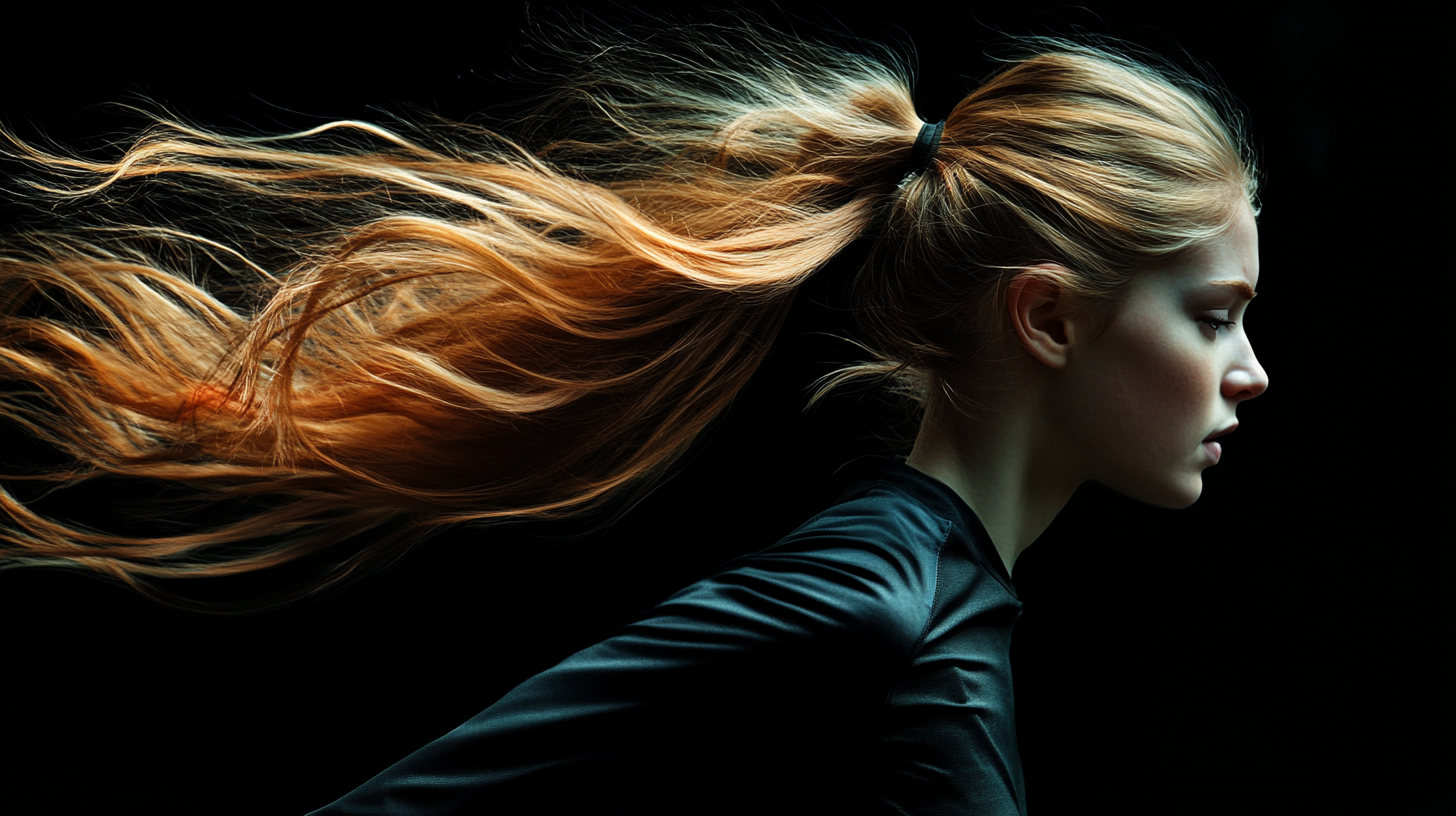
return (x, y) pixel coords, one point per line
(1243, 289)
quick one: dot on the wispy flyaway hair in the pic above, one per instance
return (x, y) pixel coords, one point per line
(376, 332)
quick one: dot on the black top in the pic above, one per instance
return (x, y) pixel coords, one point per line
(860, 665)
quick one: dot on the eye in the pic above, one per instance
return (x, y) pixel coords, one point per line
(1216, 323)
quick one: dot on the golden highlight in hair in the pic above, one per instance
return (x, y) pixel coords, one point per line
(376, 333)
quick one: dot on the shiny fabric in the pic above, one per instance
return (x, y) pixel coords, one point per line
(860, 665)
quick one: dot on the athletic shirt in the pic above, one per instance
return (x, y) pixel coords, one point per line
(859, 666)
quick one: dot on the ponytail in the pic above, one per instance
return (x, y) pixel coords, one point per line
(449, 326)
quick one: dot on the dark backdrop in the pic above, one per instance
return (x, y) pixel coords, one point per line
(1284, 646)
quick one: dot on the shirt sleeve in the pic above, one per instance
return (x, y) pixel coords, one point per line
(771, 671)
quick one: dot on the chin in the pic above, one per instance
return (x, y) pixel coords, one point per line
(1169, 495)
(1181, 502)
(1179, 499)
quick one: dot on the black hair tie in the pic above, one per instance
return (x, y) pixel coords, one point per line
(926, 145)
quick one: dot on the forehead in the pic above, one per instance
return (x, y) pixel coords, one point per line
(1229, 263)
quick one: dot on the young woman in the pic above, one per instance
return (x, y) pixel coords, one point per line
(452, 326)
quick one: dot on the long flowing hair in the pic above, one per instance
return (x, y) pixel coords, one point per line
(370, 333)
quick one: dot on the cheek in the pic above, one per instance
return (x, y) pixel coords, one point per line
(1161, 387)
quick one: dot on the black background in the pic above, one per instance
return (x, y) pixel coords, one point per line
(1284, 646)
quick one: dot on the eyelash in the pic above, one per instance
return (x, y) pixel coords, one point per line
(1216, 323)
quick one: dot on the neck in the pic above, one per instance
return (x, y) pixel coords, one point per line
(1001, 465)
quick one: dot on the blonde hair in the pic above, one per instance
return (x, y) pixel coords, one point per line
(1072, 155)
(454, 327)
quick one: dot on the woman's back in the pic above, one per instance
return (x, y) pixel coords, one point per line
(861, 665)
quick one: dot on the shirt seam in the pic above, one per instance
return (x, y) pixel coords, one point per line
(919, 644)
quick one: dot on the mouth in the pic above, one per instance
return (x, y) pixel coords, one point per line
(1225, 432)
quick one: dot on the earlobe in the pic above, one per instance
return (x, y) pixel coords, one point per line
(1036, 305)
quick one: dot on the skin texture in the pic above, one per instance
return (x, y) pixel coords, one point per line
(1130, 408)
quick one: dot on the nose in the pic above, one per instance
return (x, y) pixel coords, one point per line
(1246, 379)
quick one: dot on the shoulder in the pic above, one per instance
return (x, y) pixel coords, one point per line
(896, 514)
(864, 570)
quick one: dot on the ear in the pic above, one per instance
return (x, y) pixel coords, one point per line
(1038, 306)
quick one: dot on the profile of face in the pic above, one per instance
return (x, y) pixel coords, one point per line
(1166, 378)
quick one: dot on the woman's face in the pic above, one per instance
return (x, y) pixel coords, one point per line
(1169, 374)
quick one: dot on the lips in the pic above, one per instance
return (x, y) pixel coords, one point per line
(1224, 432)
